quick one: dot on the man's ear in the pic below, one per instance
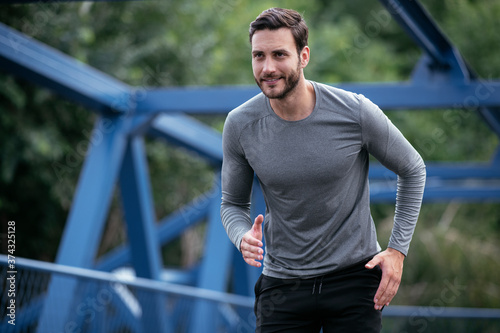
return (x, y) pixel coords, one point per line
(304, 56)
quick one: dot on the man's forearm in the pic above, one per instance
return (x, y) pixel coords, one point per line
(236, 220)
(408, 202)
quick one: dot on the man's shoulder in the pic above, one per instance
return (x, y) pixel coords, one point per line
(253, 109)
(332, 94)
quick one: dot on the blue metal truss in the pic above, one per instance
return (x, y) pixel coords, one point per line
(442, 62)
(441, 79)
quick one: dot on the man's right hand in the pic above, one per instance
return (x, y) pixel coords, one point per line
(251, 243)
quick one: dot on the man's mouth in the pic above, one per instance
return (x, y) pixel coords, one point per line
(271, 81)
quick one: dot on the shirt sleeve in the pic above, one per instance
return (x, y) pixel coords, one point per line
(237, 179)
(386, 143)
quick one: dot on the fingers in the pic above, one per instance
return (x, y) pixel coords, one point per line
(251, 254)
(386, 291)
(391, 264)
(251, 243)
(257, 228)
(258, 221)
(250, 240)
(251, 247)
(372, 263)
(252, 262)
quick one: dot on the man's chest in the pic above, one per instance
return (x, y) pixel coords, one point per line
(309, 154)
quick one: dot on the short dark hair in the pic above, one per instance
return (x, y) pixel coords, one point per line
(276, 18)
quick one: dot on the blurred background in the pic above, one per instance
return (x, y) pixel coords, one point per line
(197, 42)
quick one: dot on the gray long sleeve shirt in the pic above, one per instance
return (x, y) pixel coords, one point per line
(314, 176)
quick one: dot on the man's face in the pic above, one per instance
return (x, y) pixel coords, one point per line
(276, 66)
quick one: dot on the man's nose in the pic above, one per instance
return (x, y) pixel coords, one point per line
(269, 66)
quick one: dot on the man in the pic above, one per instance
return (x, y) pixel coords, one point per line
(309, 145)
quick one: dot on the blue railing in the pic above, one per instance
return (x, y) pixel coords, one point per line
(113, 302)
(120, 302)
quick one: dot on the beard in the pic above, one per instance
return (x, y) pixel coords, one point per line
(291, 81)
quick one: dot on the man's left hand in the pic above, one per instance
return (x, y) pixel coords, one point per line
(391, 263)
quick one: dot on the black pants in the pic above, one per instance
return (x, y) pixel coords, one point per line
(338, 302)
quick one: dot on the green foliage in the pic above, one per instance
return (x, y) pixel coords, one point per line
(194, 42)
(453, 243)
(447, 135)
(38, 132)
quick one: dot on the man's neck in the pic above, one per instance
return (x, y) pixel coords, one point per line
(298, 105)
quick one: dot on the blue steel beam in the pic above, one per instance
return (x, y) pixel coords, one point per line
(141, 283)
(441, 56)
(46, 66)
(214, 269)
(139, 211)
(445, 171)
(93, 194)
(425, 73)
(211, 100)
(389, 96)
(220, 297)
(477, 182)
(419, 25)
(167, 229)
(189, 133)
(398, 96)
(384, 193)
(86, 219)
